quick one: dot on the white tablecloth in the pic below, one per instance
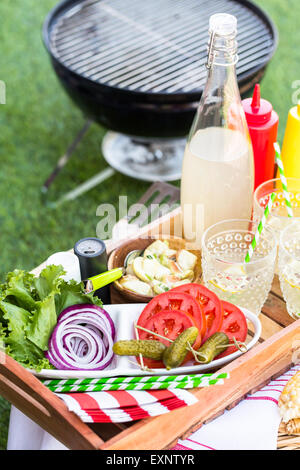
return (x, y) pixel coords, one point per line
(24, 434)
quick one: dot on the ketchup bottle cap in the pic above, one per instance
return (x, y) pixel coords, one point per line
(257, 110)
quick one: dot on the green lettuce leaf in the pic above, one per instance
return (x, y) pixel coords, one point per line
(2, 338)
(18, 286)
(17, 344)
(42, 322)
(72, 293)
(44, 315)
(48, 281)
(17, 319)
(28, 355)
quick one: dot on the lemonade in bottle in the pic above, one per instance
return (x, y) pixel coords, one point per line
(218, 170)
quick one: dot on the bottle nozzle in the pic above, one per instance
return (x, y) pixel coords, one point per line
(223, 24)
(256, 98)
(222, 29)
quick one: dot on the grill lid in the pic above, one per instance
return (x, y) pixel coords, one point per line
(157, 47)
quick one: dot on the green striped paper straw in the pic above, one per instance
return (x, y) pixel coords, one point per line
(135, 379)
(283, 180)
(153, 386)
(196, 383)
(135, 383)
(260, 228)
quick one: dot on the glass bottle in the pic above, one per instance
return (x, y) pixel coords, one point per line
(218, 170)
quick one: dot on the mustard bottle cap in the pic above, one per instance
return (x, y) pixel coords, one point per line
(290, 152)
(295, 112)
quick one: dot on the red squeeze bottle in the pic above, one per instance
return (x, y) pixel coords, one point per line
(263, 125)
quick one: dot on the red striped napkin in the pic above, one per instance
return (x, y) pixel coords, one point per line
(252, 425)
(123, 406)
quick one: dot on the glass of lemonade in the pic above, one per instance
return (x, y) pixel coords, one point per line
(224, 247)
(278, 218)
(289, 267)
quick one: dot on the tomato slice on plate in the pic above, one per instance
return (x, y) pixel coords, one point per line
(234, 325)
(173, 300)
(209, 302)
(168, 323)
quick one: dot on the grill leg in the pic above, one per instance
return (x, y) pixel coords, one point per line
(66, 157)
(84, 187)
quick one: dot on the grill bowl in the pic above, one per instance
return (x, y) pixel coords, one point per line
(79, 36)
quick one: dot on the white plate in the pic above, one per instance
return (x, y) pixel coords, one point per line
(124, 316)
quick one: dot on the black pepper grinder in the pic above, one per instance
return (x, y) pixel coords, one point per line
(92, 256)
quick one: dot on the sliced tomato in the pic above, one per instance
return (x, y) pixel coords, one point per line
(234, 325)
(173, 300)
(168, 323)
(209, 302)
(151, 363)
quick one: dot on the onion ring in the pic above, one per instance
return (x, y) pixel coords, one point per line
(82, 339)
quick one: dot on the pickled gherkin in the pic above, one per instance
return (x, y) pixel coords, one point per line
(148, 348)
(177, 351)
(212, 347)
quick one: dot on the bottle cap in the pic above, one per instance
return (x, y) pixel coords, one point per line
(295, 112)
(92, 256)
(290, 151)
(222, 30)
(223, 24)
(257, 110)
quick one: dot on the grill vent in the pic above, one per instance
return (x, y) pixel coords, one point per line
(153, 46)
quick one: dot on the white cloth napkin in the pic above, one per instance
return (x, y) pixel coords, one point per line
(25, 434)
(252, 425)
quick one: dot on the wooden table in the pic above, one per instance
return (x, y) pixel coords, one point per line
(274, 315)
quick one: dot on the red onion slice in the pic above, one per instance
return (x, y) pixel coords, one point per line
(92, 308)
(82, 339)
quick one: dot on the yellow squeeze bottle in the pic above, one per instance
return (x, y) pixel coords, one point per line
(290, 152)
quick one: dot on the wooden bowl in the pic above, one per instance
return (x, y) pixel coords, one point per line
(118, 256)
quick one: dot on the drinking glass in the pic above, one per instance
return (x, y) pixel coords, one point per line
(278, 218)
(224, 247)
(289, 268)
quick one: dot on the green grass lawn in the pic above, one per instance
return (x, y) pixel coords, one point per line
(39, 121)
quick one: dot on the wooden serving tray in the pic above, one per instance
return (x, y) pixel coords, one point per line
(277, 350)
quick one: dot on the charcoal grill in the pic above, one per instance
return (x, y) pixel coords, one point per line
(138, 68)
